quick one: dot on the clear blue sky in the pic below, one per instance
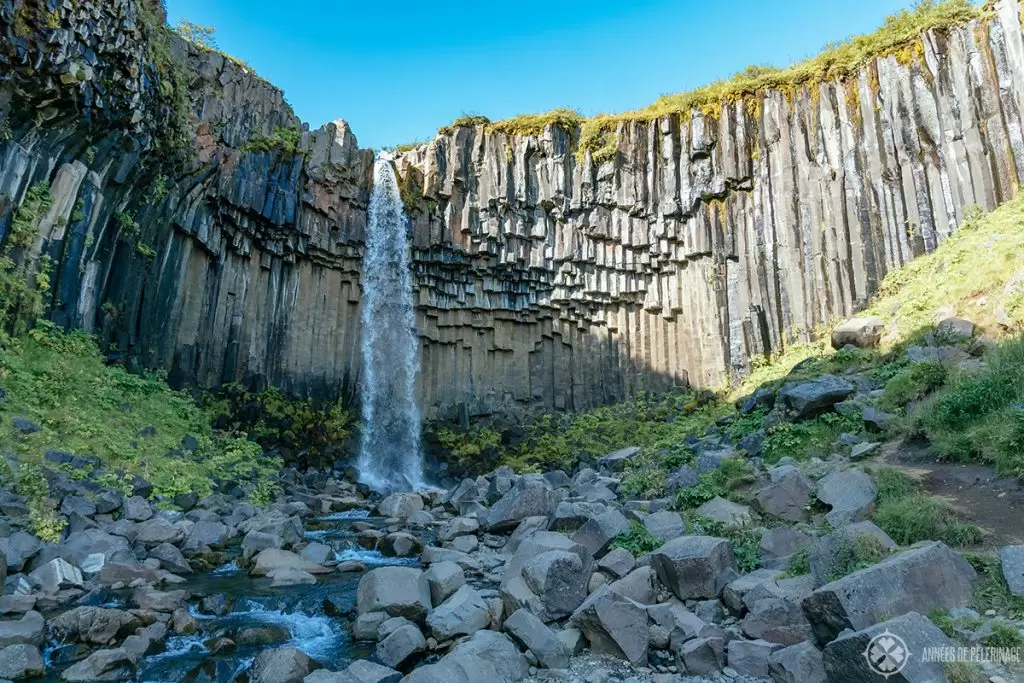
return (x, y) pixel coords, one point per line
(397, 70)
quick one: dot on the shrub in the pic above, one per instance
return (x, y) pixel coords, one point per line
(638, 540)
(283, 139)
(804, 440)
(799, 564)
(44, 521)
(722, 482)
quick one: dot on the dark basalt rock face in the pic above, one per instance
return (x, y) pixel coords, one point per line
(544, 280)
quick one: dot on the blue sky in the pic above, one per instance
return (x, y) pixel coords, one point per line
(397, 70)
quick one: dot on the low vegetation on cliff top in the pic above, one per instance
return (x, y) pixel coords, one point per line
(899, 36)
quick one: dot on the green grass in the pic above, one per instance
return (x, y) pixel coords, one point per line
(909, 516)
(127, 421)
(991, 591)
(855, 554)
(799, 565)
(723, 482)
(638, 540)
(981, 415)
(743, 540)
(913, 383)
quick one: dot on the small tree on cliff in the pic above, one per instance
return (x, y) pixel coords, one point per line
(200, 35)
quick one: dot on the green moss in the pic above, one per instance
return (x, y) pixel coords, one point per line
(807, 439)
(145, 250)
(799, 564)
(534, 124)
(909, 516)
(723, 482)
(465, 121)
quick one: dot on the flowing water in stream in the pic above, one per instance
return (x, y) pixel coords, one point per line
(389, 450)
(299, 611)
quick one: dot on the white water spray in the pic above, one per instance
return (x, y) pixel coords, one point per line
(389, 450)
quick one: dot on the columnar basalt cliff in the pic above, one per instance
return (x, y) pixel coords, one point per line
(545, 280)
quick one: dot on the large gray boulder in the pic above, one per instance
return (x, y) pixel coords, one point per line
(271, 560)
(617, 460)
(400, 505)
(463, 614)
(800, 663)
(694, 567)
(56, 575)
(779, 544)
(872, 654)
(487, 656)
(810, 398)
(829, 554)
(1012, 559)
(359, 671)
(400, 645)
(774, 611)
(786, 495)
(614, 625)
(535, 636)
(864, 333)
(597, 532)
(444, 578)
(105, 665)
(398, 591)
(29, 630)
(750, 657)
(78, 546)
(725, 512)
(93, 625)
(666, 525)
(548, 575)
(924, 578)
(21, 661)
(530, 497)
(851, 495)
(281, 665)
(171, 559)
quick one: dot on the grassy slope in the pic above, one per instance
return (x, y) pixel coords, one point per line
(130, 422)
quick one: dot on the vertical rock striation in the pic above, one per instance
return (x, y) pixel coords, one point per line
(544, 280)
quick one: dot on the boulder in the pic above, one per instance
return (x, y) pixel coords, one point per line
(702, 656)
(666, 525)
(159, 601)
(400, 505)
(775, 612)
(800, 663)
(262, 635)
(779, 544)
(281, 665)
(21, 661)
(850, 494)
(171, 559)
(925, 578)
(639, 585)
(864, 333)
(183, 623)
(458, 526)
(290, 576)
(443, 578)
(56, 575)
(398, 591)
(136, 509)
(682, 478)
(273, 559)
(487, 656)
(810, 398)
(82, 544)
(786, 495)
(694, 566)
(93, 625)
(711, 459)
(530, 497)
(400, 645)
(872, 654)
(614, 625)
(400, 544)
(617, 563)
(206, 534)
(725, 512)
(77, 505)
(554, 577)
(955, 330)
(29, 630)
(597, 532)
(750, 657)
(737, 589)
(359, 671)
(530, 632)
(544, 577)
(1012, 559)
(828, 554)
(159, 530)
(103, 665)
(464, 613)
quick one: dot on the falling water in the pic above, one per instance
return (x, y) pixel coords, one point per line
(389, 453)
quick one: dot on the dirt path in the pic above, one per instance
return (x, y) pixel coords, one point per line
(984, 498)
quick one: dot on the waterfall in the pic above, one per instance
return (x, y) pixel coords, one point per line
(389, 450)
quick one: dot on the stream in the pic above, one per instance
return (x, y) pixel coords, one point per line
(299, 611)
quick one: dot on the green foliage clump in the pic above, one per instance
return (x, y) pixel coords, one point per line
(981, 415)
(909, 516)
(799, 564)
(722, 482)
(964, 672)
(638, 540)
(534, 124)
(22, 295)
(854, 554)
(145, 250)
(284, 139)
(44, 522)
(129, 422)
(308, 431)
(464, 121)
(198, 34)
(1003, 635)
(912, 384)
(475, 449)
(744, 425)
(807, 439)
(744, 541)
